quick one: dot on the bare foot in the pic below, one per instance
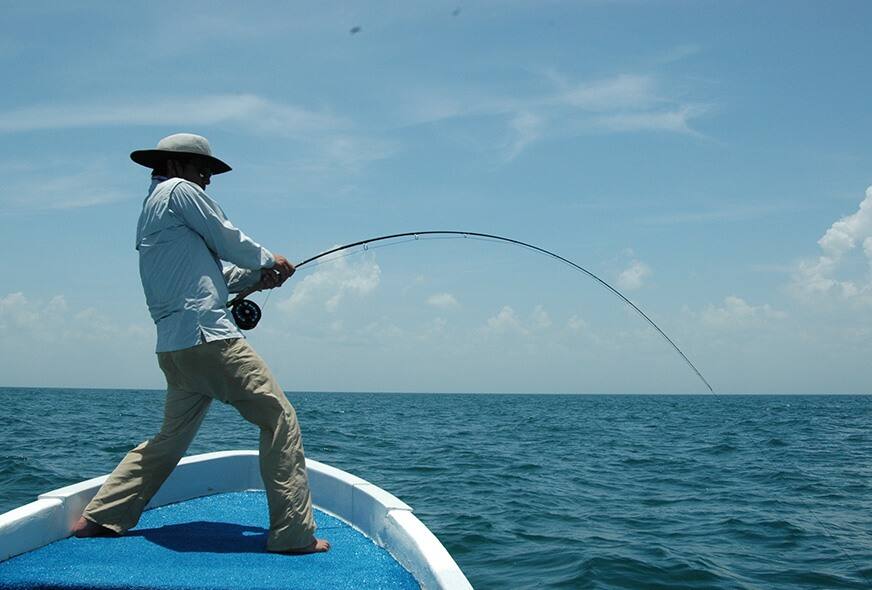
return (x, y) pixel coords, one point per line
(85, 528)
(317, 546)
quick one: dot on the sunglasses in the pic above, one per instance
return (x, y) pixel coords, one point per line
(203, 170)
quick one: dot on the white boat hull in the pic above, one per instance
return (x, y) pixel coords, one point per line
(382, 517)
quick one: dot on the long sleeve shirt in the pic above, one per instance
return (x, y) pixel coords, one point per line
(190, 258)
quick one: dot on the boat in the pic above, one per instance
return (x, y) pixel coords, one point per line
(206, 529)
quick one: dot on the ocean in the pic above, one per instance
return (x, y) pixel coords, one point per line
(542, 491)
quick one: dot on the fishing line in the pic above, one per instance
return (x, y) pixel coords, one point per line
(365, 248)
(247, 314)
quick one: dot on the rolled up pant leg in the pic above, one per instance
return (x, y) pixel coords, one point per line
(231, 371)
(123, 496)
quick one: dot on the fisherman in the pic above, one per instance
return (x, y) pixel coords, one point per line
(190, 258)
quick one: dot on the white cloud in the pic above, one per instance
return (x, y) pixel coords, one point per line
(633, 277)
(722, 212)
(576, 324)
(16, 312)
(540, 319)
(674, 121)
(435, 328)
(738, 313)
(253, 111)
(623, 103)
(678, 53)
(443, 300)
(343, 153)
(505, 321)
(53, 320)
(334, 279)
(819, 277)
(526, 128)
(619, 92)
(333, 143)
(40, 187)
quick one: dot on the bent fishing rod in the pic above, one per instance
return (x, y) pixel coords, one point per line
(247, 313)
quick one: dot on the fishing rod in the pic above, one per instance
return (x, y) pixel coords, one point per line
(247, 313)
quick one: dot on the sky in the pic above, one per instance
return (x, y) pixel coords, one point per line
(711, 160)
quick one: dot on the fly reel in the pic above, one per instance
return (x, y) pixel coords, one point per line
(246, 314)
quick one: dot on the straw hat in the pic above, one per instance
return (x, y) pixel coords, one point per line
(186, 144)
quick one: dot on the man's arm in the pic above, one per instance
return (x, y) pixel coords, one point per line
(204, 216)
(270, 278)
(238, 279)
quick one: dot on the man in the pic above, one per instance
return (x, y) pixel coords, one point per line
(182, 238)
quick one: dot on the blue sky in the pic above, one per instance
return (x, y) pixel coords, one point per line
(709, 159)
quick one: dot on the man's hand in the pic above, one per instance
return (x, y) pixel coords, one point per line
(281, 271)
(284, 269)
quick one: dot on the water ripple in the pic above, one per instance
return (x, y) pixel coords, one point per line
(544, 491)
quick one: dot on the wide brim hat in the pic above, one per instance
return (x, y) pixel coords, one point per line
(180, 144)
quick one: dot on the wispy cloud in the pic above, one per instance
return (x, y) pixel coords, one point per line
(255, 112)
(720, 212)
(676, 121)
(624, 103)
(678, 53)
(620, 92)
(334, 145)
(526, 127)
(344, 153)
(39, 186)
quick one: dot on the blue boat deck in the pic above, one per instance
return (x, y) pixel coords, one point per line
(214, 542)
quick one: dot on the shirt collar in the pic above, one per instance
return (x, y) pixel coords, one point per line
(156, 180)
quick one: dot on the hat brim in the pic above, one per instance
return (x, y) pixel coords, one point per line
(154, 158)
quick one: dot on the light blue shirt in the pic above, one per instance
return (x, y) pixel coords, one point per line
(182, 238)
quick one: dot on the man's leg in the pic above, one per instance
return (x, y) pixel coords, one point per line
(123, 496)
(234, 373)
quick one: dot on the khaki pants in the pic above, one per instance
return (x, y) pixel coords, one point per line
(232, 372)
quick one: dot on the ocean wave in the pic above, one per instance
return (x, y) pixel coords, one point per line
(544, 491)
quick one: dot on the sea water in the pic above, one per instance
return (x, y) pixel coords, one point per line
(542, 491)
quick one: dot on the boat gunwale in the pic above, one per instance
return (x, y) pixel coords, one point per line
(381, 516)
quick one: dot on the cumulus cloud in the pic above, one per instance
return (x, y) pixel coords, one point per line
(848, 236)
(16, 312)
(738, 313)
(633, 277)
(540, 319)
(53, 320)
(443, 300)
(576, 324)
(507, 321)
(334, 280)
